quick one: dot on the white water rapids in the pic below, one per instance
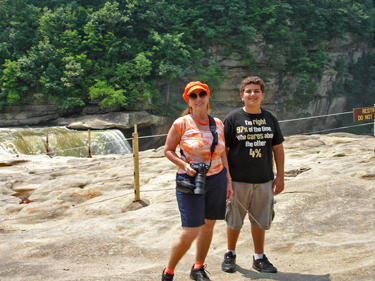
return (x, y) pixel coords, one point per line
(62, 141)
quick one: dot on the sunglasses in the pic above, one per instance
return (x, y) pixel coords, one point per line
(201, 95)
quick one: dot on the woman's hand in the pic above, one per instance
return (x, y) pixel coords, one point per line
(189, 170)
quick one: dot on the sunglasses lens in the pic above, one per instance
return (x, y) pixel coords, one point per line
(201, 95)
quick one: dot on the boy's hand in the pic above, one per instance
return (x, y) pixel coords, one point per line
(278, 185)
(229, 190)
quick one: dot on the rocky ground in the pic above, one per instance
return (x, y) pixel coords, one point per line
(84, 225)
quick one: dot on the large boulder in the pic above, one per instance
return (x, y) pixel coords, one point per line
(147, 125)
(119, 120)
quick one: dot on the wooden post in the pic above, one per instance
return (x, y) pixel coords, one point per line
(89, 143)
(137, 196)
(47, 143)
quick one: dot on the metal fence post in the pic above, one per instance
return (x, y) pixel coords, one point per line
(89, 143)
(47, 143)
(137, 196)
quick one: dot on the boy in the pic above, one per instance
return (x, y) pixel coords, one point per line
(253, 139)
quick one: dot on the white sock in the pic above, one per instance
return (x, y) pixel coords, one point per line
(258, 256)
(232, 251)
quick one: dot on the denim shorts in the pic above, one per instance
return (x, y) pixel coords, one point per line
(195, 209)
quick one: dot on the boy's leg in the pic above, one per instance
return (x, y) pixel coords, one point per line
(229, 263)
(263, 213)
(258, 239)
(234, 217)
(232, 238)
(236, 212)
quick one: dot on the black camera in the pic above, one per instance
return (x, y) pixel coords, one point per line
(200, 178)
(186, 186)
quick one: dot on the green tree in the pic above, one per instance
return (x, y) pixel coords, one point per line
(171, 57)
(11, 90)
(18, 28)
(360, 90)
(149, 49)
(110, 19)
(93, 41)
(64, 27)
(37, 60)
(73, 73)
(52, 86)
(133, 77)
(142, 67)
(108, 95)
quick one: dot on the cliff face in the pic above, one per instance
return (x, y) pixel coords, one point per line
(227, 98)
(349, 48)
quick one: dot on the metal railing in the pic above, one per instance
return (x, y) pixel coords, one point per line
(135, 144)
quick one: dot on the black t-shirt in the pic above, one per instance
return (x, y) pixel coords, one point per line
(250, 138)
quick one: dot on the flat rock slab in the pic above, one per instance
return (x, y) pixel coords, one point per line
(84, 225)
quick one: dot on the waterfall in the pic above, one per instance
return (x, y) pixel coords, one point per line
(62, 141)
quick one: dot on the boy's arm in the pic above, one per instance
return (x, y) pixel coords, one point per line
(278, 153)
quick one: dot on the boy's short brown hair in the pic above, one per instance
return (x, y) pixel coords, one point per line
(252, 80)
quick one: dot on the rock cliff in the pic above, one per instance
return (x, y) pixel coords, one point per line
(350, 48)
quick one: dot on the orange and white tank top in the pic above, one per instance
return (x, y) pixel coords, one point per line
(196, 144)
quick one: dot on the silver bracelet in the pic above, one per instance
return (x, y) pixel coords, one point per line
(229, 179)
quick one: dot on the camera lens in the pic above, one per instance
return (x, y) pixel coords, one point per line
(200, 182)
(200, 178)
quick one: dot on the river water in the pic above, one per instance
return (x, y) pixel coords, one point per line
(62, 141)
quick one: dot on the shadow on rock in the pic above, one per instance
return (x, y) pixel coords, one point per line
(135, 205)
(283, 276)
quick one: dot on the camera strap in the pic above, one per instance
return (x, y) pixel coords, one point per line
(215, 138)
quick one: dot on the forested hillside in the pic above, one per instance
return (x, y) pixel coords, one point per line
(121, 52)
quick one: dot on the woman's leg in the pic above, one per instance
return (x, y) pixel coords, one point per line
(204, 240)
(181, 245)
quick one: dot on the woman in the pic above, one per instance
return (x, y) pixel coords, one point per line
(198, 213)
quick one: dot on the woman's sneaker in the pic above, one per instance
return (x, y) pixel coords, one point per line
(199, 274)
(263, 265)
(166, 276)
(229, 263)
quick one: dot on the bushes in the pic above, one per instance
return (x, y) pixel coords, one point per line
(120, 52)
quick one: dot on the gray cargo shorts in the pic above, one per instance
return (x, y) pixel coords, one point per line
(258, 199)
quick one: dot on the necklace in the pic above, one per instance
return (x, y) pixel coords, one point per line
(202, 123)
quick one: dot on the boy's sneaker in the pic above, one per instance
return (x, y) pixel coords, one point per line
(263, 265)
(199, 274)
(166, 276)
(229, 263)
